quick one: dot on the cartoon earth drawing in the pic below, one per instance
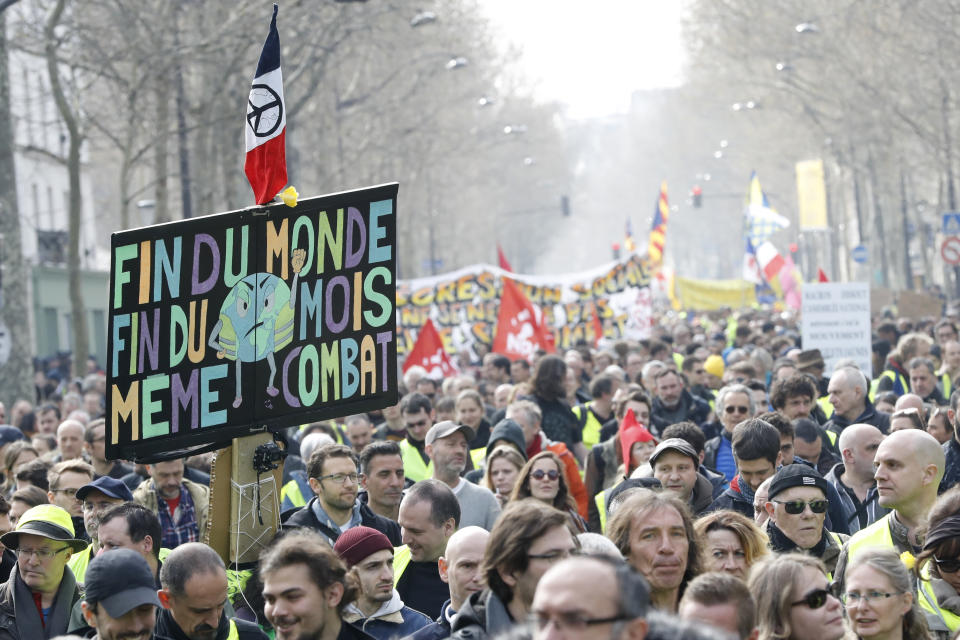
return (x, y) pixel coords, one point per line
(256, 321)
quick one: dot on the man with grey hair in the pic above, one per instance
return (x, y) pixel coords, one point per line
(923, 381)
(734, 405)
(648, 375)
(615, 605)
(193, 596)
(70, 440)
(849, 396)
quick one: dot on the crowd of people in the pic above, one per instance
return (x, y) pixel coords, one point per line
(714, 481)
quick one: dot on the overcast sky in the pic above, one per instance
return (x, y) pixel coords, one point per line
(617, 46)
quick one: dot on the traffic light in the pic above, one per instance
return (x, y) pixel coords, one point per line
(615, 249)
(697, 194)
(565, 206)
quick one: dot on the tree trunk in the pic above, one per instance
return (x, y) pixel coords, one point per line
(78, 313)
(16, 373)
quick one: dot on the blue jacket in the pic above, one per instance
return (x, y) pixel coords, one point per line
(439, 629)
(392, 620)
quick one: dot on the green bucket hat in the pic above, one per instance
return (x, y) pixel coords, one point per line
(48, 521)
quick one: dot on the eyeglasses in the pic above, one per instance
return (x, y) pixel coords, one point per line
(816, 598)
(796, 507)
(572, 620)
(70, 493)
(539, 474)
(852, 598)
(340, 478)
(732, 409)
(553, 556)
(951, 565)
(42, 554)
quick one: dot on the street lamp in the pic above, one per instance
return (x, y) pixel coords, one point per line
(456, 63)
(422, 18)
(807, 27)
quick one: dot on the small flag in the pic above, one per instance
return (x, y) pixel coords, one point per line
(770, 261)
(821, 276)
(751, 269)
(597, 325)
(658, 230)
(266, 163)
(502, 260)
(628, 242)
(761, 220)
(520, 330)
(428, 352)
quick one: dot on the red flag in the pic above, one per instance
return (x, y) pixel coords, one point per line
(821, 276)
(502, 259)
(597, 325)
(428, 352)
(519, 331)
(266, 162)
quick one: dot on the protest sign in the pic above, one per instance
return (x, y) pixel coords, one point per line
(463, 304)
(267, 317)
(836, 320)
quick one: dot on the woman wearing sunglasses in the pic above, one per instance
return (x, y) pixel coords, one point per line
(879, 598)
(542, 479)
(938, 565)
(795, 600)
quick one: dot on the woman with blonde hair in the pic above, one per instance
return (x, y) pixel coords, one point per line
(501, 472)
(542, 478)
(795, 600)
(731, 542)
(879, 598)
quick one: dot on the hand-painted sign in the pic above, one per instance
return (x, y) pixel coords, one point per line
(270, 316)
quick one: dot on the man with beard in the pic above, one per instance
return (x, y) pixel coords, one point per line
(305, 589)
(120, 600)
(673, 403)
(447, 446)
(378, 609)
(382, 478)
(333, 477)
(194, 592)
(180, 504)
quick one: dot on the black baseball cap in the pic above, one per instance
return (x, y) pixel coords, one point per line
(107, 486)
(120, 580)
(796, 475)
(678, 445)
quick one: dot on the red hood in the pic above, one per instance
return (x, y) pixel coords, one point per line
(631, 432)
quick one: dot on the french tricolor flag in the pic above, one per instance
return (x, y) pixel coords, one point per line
(266, 163)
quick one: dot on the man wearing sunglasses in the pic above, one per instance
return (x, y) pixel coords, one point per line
(734, 405)
(797, 506)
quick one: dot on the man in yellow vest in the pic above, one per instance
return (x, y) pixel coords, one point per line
(417, 412)
(120, 600)
(796, 508)
(194, 592)
(909, 465)
(594, 414)
(96, 497)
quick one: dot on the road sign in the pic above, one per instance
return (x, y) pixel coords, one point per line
(950, 250)
(860, 254)
(951, 224)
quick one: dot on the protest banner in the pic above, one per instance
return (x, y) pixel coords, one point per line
(464, 304)
(271, 316)
(836, 320)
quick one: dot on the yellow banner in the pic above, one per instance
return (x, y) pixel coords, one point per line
(811, 195)
(707, 295)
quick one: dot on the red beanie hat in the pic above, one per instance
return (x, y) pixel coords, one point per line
(357, 543)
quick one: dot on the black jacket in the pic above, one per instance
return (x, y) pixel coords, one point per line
(306, 518)
(870, 415)
(690, 408)
(733, 500)
(168, 629)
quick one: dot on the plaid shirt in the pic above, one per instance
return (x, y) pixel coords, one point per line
(181, 526)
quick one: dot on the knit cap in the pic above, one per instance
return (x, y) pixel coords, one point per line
(358, 543)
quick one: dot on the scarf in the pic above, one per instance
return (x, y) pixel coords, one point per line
(28, 617)
(182, 525)
(333, 526)
(780, 543)
(737, 484)
(947, 596)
